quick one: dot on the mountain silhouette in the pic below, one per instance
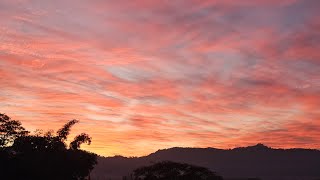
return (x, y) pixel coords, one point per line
(257, 161)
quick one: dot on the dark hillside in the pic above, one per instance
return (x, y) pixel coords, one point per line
(253, 161)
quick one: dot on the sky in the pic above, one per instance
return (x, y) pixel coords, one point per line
(143, 75)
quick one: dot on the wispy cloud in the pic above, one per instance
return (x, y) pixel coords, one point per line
(144, 75)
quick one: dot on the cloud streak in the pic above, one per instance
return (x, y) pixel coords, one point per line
(144, 75)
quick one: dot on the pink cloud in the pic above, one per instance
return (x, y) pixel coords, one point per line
(156, 75)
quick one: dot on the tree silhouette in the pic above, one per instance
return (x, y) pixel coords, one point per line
(63, 133)
(174, 171)
(44, 155)
(10, 130)
(78, 140)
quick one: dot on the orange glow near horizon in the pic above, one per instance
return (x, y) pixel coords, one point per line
(147, 75)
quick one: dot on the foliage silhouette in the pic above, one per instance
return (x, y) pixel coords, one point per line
(10, 130)
(167, 170)
(44, 155)
(80, 139)
(63, 133)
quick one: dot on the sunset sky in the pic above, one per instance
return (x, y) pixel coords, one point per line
(146, 75)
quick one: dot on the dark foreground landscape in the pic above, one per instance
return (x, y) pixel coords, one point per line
(256, 162)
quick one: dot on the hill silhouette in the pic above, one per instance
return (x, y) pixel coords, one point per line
(257, 161)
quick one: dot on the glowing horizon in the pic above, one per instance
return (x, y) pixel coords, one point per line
(147, 75)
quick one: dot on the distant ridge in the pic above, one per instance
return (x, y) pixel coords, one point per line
(242, 162)
(258, 147)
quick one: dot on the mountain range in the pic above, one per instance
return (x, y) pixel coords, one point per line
(258, 161)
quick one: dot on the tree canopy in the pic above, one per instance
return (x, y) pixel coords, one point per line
(167, 170)
(10, 130)
(42, 155)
